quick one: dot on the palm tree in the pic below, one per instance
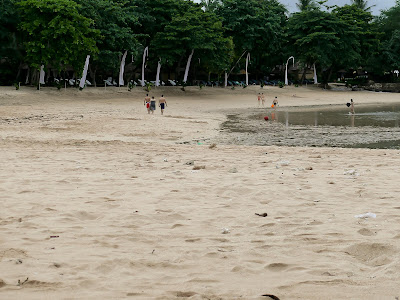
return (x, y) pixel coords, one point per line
(210, 5)
(362, 4)
(305, 4)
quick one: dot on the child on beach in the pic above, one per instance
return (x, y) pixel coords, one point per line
(263, 99)
(275, 103)
(259, 98)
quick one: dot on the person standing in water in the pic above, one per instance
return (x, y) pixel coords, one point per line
(275, 103)
(162, 103)
(147, 103)
(352, 107)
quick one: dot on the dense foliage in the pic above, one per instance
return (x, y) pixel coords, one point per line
(58, 34)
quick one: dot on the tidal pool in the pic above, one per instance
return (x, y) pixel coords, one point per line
(371, 115)
(372, 126)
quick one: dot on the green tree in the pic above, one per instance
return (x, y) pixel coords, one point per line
(191, 28)
(11, 52)
(210, 5)
(362, 4)
(56, 34)
(115, 20)
(305, 4)
(343, 38)
(257, 27)
(389, 24)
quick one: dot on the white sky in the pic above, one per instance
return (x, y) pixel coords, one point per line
(379, 4)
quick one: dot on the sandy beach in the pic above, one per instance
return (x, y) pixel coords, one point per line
(100, 200)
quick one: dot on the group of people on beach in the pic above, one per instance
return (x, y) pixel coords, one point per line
(261, 98)
(150, 104)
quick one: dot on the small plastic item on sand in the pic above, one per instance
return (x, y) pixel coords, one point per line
(351, 172)
(266, 118)
(225, 231)
(54, 236)
(165, 159)
(366, 216)
(283, 163)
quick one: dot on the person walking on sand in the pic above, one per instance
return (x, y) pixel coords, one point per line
(162, 103)
(263, 99)
(259, 98)
(152, 105)
(147, 103)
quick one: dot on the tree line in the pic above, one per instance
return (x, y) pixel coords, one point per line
(216, 35)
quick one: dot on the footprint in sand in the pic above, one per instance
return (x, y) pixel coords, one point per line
(372, 254)
(366, 232)
(277, 267)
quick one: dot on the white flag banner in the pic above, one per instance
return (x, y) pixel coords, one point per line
(158, 73)
(84, 74)
(41, 77)
(145, 52)
(315, 75)
(122, 69)
(247, 64)
(226, 79)
(286, 72)
(188, 66)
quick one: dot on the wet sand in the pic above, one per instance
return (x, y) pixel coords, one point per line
(311, 126)
(101, 200)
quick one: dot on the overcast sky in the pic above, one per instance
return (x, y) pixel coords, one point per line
(379, 4)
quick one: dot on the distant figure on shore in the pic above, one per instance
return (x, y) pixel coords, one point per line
(147, 103)
(259, 98)
(263, 99)
(152, 105)
(162, 103)
(351, 106)
(275, 103)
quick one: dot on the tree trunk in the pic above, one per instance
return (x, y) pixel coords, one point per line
(92, 75)
(178, 67)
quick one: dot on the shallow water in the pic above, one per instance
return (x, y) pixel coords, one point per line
(376, 116)
(373, 126)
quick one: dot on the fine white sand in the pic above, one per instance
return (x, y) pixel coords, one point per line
(100, 200)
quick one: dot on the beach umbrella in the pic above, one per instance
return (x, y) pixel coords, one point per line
(145, 52)
(286, 77)
(158, 73)
(315, 75)
(84, 73)
(247, 63)
(188, 66)
(121, 69)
